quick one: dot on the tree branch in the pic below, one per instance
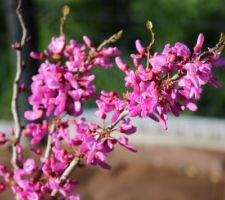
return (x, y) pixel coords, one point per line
(111, 39)
(149, 26)
(65, 175)
(46, 156)
(16, 87)
(122, 116)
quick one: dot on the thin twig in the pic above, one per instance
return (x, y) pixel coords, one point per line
(52, 128)
(122, 116)
(16, 88)
(111, 39)
(217, 49)
(46, 156)
(65, 175)
(150, 28)
(65, 12)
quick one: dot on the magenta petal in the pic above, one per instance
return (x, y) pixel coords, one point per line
(62, 104)
(191, 106)
(139, 47)
(127, 128)
(120, 64)
(101, 114)
(199, 43)
(37, 56)
(174, 110)
(33, 114)
(111, 143)
(134, 111)
(164, 124)
(115, 116)
(124, 142)
(76, 94)
(154, 117)
(182, 50)
(191, 68)
(52, 82)
(73, 82)
(90, 157)
(29, 166)
(57, 44)
(87, 41)
(74, 197)
(104, 165)
(77, 106)
(158, 61)
(100, 156)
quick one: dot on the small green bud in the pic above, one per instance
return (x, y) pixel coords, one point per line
(66, 10)
(149, 25)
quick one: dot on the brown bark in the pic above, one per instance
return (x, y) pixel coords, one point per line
(14, 35)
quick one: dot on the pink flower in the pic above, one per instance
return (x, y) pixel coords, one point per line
(36, 131)
(121, 65)
(29, 166)
(87, 41)
(124, 142)
(126, 127)
(139, 47)
(57, 45)
(157, 63)
(200, 41)
(3, 139)
(182, 50)
(37, 56)
(171, 82)
(33, 115)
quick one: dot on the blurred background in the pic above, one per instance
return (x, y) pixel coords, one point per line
(186, 164)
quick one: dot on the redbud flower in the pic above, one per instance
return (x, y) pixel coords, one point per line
(3, 139)
(57, 45)
(200, 41)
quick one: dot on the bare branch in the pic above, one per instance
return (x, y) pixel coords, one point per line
(111, 39)
(16, 87)
(46, 156)
(65, 12)
(149, 26)
(65, 175)
(121, 117)
(51, 129)
(217, 49)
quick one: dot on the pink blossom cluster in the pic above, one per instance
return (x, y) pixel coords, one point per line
(170, 82)
(64, 79)
(30, 188)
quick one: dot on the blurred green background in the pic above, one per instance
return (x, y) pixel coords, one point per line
(173, 20)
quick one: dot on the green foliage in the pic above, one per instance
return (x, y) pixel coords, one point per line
(5, 68)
